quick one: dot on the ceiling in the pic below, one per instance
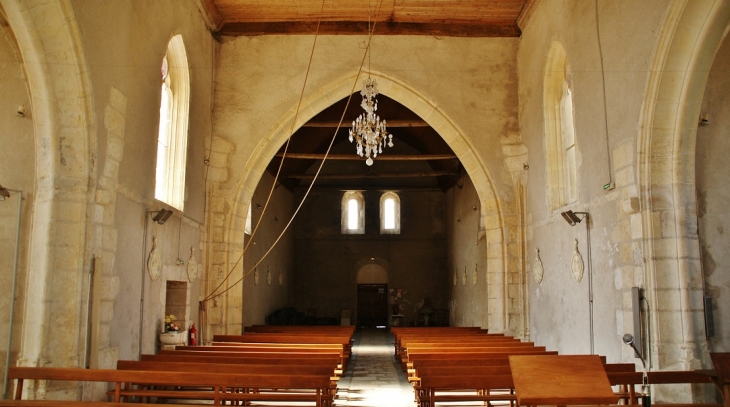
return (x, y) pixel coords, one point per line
(459, 18)
(420, 157)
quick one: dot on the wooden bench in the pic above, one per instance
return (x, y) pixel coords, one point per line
(258, 350)
(490, 369)
(163, 385)
(629, 380)
(76, 403)
(349, 329)
(472, 387)
(263, 369)
(439, 334)
(206, 357)
(451, 346)
(305, 370)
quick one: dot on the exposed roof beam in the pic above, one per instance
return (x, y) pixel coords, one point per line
(361, 28)
(390, 123)
(377, 175)
(354, 157)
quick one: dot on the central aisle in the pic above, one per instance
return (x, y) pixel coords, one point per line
(373, 378)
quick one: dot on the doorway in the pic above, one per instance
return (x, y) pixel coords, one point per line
(372, 305)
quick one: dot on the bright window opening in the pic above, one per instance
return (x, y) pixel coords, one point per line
(560, 137)
(172, 137)
(353, 213)
(352, 218)
(390, 213)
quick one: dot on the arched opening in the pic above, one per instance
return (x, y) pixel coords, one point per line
(666, 156)
(494, 264)
(560, 145)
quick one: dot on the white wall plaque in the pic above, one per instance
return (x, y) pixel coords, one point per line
(154, 264)
(537, 268)
(576, 264)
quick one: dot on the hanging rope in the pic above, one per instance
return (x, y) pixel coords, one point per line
(281, 163)
(316, 175)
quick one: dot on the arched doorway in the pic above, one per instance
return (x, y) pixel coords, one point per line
(372, 296)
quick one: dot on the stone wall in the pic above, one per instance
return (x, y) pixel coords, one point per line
(17, 172)
(605, 133)
(124, 55)
(88, 147)
(327, 262)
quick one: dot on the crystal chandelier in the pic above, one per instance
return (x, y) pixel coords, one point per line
(368, 130)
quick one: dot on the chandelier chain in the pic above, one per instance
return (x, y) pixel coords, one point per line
(368, 131)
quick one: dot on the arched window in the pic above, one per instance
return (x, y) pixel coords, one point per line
(390, 213)
(172, 139)
(353, 213)
(560, 143)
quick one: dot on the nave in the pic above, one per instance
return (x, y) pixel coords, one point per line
(373, 378)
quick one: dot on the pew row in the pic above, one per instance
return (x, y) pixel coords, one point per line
(202, 386)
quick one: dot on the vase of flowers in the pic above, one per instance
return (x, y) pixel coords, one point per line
(171, 324)
(173, 334)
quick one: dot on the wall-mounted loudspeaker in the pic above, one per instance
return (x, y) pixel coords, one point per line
(636, 308)
(709, 320)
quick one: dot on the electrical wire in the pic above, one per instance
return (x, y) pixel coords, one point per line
(605, 108)
(281, 163)
(316, 175)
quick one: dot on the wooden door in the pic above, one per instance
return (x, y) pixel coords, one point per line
(372, 305)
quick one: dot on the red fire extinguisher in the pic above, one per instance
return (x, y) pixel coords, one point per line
(193, 336)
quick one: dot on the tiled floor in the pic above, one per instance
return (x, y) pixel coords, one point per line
(373, 378)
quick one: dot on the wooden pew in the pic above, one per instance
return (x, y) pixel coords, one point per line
(305, 370)
(208, 357)
(332, 349)
(630, 380)
(471, 355)
(75, 403)
(473, 387)
(262, 369)
(466, 345)
(349, 329)
(424, 332)
(301, 388)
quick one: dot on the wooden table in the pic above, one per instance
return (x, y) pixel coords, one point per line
(560, 380)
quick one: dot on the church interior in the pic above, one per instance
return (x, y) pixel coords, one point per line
(551, 170)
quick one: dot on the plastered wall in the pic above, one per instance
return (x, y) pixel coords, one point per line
(262, 294)
(467, 257)
(713, 191)
(87, 147)
(123, 56)
(606, 152)
(17, 172)
(327, 262)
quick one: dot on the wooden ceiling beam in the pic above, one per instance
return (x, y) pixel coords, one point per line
(377, 175)
(354, 157)
(361, 28)
(390, 123)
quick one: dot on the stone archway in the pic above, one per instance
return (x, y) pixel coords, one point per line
(493, 212)
(372, 273)
(692, 33)
(61, 110)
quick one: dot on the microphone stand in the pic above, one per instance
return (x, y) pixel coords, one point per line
(628, 339)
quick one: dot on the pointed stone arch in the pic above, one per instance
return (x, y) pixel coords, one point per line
(693, 31)
(62, 116)
(428, 110)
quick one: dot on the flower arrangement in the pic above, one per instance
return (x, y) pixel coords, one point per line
(171, 324)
